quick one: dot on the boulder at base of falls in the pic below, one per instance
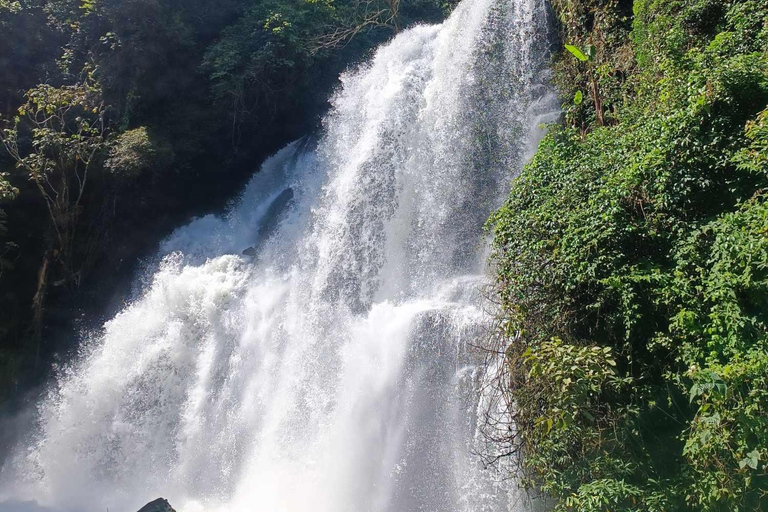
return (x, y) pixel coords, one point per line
(159, 505)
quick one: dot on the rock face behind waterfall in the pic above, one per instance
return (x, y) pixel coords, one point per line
(159, 505)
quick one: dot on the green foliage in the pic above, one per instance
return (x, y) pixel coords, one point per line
(69, 139)
(754, 158)
(579, 54)
(276, 47)
(599, 30)
(648, 238)
(10, 6)
(567, 420)
(725, 332)
(67, 130)
(136, 151)
(267, 50)
(26, 46)
(7, 191)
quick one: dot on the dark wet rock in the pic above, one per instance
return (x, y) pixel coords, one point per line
(274, 212)
(272, 218)
(159, 505)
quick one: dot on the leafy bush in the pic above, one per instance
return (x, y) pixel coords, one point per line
(135, 151)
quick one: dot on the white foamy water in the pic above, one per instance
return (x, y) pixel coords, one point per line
(330, 369)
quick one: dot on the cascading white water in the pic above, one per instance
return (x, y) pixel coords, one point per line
(331, 368)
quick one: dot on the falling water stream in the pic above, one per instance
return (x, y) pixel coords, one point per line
(311, 350)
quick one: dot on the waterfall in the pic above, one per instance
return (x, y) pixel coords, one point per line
(312, 349)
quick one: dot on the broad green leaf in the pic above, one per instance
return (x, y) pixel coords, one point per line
(579, 98)
(576, 53)
(751, 460)
(695, 392)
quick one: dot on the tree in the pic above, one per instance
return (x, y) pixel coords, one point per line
(69, 139)
(69, 136)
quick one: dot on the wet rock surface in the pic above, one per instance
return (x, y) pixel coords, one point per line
(159, 505)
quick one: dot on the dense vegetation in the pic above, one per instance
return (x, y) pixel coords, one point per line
(632, 263)
(122, 117)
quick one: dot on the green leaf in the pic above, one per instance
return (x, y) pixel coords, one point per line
(721, 387)
(695, 392)
(751, 460)
(579, 98)
(590, 52)
(576, 53)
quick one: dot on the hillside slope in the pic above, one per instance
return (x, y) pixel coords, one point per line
(632, 263)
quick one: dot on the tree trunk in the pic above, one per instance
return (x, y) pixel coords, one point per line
(598, 103)
(38, 303)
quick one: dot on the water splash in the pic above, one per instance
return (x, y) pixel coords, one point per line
(329, 368)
